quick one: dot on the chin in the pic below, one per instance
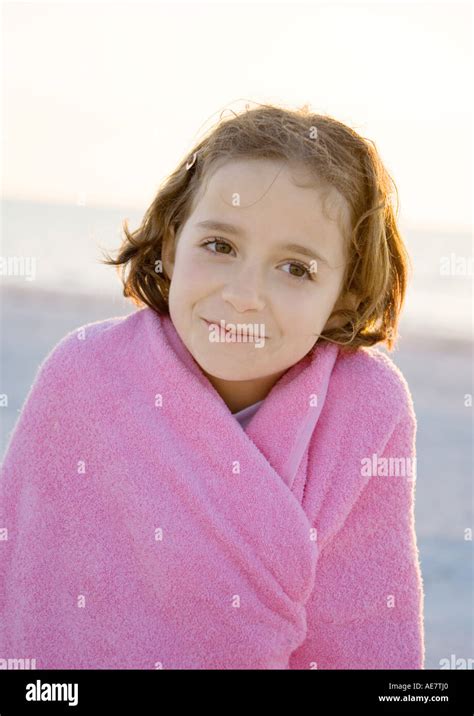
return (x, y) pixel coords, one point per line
(225, 369)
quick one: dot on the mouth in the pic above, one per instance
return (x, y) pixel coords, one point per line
(215, 323)
(227, 330)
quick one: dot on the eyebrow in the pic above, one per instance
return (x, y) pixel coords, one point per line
(225, 227)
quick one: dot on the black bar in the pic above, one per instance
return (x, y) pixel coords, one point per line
(443, 691)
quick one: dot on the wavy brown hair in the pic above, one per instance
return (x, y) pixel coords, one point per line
(337, 157)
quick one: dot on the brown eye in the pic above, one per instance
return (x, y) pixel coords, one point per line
(298, 268)
(222, 243)
(301, 267)
(218, 242)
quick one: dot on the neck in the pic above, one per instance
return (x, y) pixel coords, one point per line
(239, 394)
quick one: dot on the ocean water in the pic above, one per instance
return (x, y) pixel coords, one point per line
(59, 247)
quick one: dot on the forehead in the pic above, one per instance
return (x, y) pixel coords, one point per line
(259, 194)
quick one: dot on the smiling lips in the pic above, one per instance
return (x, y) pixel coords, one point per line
(227, 330)
(215, 323)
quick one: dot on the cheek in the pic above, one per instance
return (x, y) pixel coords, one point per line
(190, 275)
(308, 311)
(197, 269)
(298, 302)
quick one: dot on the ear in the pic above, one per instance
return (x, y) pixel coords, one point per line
(348, 301)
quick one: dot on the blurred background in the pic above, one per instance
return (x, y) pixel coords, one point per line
(100, 101)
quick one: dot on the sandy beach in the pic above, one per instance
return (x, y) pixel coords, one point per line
(439, 373)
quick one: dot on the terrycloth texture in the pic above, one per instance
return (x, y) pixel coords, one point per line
(146, 529)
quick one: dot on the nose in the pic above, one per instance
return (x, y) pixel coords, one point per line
(244, 291)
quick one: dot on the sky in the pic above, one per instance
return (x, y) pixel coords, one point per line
(100, 101)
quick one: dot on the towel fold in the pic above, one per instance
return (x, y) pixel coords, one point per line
(141, 526)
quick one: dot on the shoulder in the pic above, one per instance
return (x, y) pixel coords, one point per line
(93, 344)
(374, 377)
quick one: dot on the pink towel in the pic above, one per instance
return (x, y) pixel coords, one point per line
(142, 527)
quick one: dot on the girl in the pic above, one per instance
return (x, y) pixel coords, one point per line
(225, 478)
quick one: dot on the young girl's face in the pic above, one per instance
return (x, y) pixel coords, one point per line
(245, 273)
